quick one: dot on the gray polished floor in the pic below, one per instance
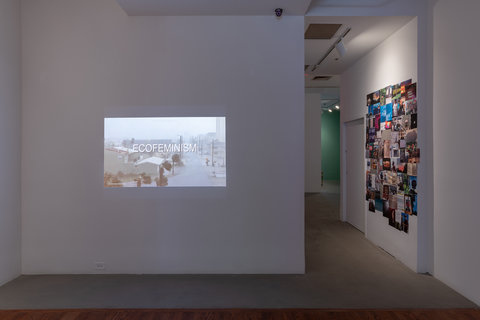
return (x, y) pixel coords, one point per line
(344, 270)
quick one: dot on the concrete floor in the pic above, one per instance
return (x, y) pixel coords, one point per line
(344, 270)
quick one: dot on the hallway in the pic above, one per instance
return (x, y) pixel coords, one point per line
(344, 270)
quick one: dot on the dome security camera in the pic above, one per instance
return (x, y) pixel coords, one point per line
(279, 12)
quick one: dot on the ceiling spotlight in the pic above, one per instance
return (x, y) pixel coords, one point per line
(337, 107)
(330, 110)
(341, 48)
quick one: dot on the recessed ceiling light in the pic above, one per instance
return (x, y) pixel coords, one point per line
(330, 110)
(337, 107)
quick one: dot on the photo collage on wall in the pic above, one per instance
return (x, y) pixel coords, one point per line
(392, 153)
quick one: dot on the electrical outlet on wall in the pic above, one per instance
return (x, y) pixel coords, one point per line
(99, 265)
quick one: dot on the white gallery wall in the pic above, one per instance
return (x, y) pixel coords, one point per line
(10, 219)
(393, 61)
(456, 147)
(313, 142)
(83, 60)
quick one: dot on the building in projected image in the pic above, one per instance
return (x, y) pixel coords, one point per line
(165, 152)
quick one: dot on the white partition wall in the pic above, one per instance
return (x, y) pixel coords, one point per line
(393, 61)
(9, 140)
(84, 60)
(456, 113)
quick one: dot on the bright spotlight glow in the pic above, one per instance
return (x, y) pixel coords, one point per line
(337, 107)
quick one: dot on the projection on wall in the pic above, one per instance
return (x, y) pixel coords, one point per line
(165, 152)
(392, 153)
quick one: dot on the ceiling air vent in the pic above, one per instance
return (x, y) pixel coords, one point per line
(321, 31)
(322, 78)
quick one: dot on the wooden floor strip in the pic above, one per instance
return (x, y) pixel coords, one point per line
(240, 314)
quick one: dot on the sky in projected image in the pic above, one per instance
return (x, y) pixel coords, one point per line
(158, 128)
(165, 152)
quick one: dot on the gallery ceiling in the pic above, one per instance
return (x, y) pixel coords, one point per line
(366, 33)
(213, 7)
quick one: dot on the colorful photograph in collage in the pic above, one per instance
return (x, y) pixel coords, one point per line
(392, 153)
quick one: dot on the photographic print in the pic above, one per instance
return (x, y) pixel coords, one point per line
(386, 135)
(388, 92)
(386, 192)
(405, 122)
(383, 96)
(395, 109)
(401, 107)
(402, 167)
(386, 150)
(411, 91)
(395, 137)
(389, 112)
(411, 137)
(392, 202)
(398, 220)
(390, 178)
(378, 185)
(391, 218)
(403, 155)
(405, 84)
(397, 124)
(412, 169)
(372, 134)
(376, 97)
(393, 187)
(395, 162)
(386, 208)
(405, 219)
(413, 121)
(411, 107)
(402, 182)
(400, 202)
(412, 183)
(379, 205)
(413, 154)
(370, 99)
(413, 199)
(408, 204)
(383, 113)
(377, 122)
(396, 92)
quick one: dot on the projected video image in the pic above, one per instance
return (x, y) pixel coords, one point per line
(165, 152)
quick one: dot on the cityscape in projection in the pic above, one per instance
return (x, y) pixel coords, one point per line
(165, 152)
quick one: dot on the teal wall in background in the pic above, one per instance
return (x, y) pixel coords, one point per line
(331, 145)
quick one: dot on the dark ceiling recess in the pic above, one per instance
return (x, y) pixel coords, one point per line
(322, 78)
(321, 31)
(306, 67)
